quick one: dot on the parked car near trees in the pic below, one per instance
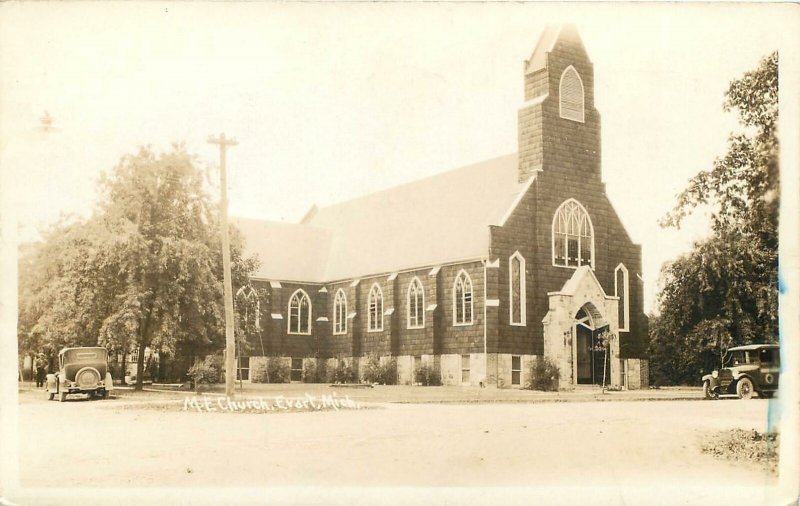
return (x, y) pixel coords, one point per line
(746, 369)
(80, 371)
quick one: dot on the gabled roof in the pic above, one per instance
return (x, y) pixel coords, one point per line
(439, 219)
(574, 282)
(547, 40)
(550, 36)
(286, 251)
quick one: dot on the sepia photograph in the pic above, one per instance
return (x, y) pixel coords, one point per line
(399, 253)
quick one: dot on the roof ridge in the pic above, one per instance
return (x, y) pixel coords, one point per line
(424, 179)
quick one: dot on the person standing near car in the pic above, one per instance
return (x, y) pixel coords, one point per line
(40, 370)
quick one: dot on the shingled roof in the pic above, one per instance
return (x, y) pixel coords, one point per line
(435, 220)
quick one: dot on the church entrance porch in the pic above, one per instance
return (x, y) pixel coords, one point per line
(578, 315)
(589, 351)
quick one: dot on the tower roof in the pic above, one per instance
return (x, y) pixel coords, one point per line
(551, 35)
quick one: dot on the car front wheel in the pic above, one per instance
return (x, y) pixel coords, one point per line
(707, 392)
(744, 388)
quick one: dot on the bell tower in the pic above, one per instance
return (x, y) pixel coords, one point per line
(559, 127)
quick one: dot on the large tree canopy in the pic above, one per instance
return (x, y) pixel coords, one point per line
(725, 291)
(144, 271)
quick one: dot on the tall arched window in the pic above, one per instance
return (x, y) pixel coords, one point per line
(416, 304)
(462, 299)
(570, 92)
(375, 312)
(248, 307)
(340, 313)
(621, 290)
(573, 236)
(299, 313)
(516, 286)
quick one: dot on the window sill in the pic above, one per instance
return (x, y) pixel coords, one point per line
(581, 121)
(415, 327)
(463, 324)
(298, 333)
(340, 333)
(518, 324)
(373, 331)
(573, 266)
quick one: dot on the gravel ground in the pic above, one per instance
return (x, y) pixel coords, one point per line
(625, 445)
(752, 446)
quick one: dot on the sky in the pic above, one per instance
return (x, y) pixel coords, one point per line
(333, 101)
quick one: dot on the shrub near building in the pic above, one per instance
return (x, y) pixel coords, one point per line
(544, 375)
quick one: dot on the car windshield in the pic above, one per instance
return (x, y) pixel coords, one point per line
(734, 358)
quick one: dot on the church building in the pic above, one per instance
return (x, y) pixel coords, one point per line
(476, 271)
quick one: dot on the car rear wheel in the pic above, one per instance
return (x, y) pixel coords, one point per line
(744, 388)
(707, 393)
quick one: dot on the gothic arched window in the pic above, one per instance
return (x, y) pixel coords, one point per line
(416, 304)
(249, 307)
(621, 286)
(516, 287)
(375, 309)
(340, 313)
(573, 236)
(299, 313)
(570, 92)
(462, 299)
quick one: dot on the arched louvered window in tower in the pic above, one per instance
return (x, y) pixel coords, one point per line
(570, 93)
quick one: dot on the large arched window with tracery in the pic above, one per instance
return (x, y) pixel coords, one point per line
(462, 299)
(299, 313)
(375, 309)
(340, 313)
(416, 304)
(573, 236)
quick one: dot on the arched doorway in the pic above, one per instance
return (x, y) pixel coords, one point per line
(589, 324)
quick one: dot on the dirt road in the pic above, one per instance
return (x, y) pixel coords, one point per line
(617, 444)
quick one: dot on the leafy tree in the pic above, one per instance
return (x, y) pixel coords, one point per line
(144, 271)
(725, 292)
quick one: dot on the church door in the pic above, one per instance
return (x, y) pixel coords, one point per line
(585, 357)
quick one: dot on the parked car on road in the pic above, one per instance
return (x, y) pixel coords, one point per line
(80, 371)
(746, 369)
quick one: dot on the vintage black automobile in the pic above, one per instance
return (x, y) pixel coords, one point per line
(746, 369)
(80, 371)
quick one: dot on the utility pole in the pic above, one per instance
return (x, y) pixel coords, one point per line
(230, 344)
